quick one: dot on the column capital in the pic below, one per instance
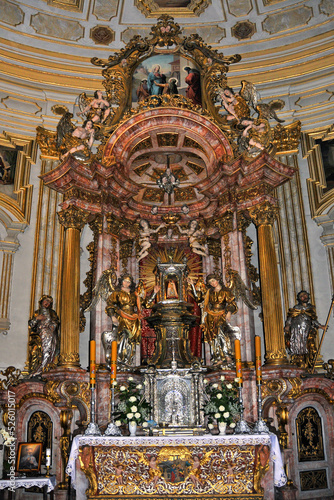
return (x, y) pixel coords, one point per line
(114, 225)
(96, 224)
(243, 221)
(73, 217)
(264, 214)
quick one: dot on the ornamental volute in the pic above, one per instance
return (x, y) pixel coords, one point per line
(73, 217)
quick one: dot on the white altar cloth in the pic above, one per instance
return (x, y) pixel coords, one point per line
(29, 482)
(271, 440)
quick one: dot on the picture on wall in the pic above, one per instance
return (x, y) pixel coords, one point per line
(29, 457)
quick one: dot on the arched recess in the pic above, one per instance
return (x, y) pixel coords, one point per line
(15, 211)
(311, 470)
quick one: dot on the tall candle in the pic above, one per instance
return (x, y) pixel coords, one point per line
(258, 368)
(48, 457)
(113, 366)
(92, 362)
(238, 366)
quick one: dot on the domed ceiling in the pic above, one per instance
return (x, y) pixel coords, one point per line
(46, 47)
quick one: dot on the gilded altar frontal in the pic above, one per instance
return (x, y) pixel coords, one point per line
(166, 233)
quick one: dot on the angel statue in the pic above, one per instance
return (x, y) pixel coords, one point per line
(79, 141)
(219, 303)
(300, 331)
(145, 232)
(45, 323)
(195, 233)
(97, 110)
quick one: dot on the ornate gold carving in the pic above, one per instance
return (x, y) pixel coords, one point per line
(227, 254)
(73, 217)
(274, 388)
(242, 221)
(191, 143)
(47, 141)
(51, 391)
(167, 139)
(86, 297)
(194, 167)
(185, 194)
(286, 139)
(125, 252)
(65, 422)
(171, 218)
(264, 214)
(251, 270)
(12, 377)
(141, 169)
(224, 223)
(152, 194)
(40, 430)
(76, 390)
(114, 225)
(296, 383)
(283, 418)
(87, 465)
(80, 194)
(275, 357)
(309, 435)
(144, 144)
(70, 358)
(214, 248)
(96, 224)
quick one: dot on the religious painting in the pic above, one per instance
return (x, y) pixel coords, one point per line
(8, 161)
(327, 155)
(169, 74)
(29, 457)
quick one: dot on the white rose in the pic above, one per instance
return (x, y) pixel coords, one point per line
(219, 396)
(236, 380)
(211, 426)
(129, 415)
(145, 382)
(222, 378)
(229, 386)
(226, 414)
(114, 382)
(215, 386)
(118, 423)
(132, 399)
(133, 409)
(130, 379)
(145, 424)
(205, 381)
(133, 422)
(221, 408)
(232, 425)
(217, 415)
(139, 386)
(122, 388)
(137, 415)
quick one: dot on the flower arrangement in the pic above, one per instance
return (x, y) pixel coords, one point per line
(221, 402)
(8, 439)
(132, 406)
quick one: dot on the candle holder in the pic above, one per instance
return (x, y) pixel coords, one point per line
(112, 429)
(242, 427)
(92, 429)
(260, 426)
(47, 474)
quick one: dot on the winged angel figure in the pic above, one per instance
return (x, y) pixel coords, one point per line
(124, 304)
(218, 302)
(254, 134)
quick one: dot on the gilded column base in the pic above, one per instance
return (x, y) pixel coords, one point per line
(69, 360)
(276, 358)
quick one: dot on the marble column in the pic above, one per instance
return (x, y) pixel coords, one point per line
(73, 219)
(264, 217)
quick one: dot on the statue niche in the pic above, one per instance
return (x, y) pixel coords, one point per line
(172, 317)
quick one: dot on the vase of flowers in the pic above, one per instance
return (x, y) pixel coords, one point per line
(132, 409)
(221, 404)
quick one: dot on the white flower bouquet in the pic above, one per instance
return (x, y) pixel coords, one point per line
(132, 406)
(221, 403)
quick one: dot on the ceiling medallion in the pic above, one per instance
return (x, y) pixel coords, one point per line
(243, 30)
(102, 35)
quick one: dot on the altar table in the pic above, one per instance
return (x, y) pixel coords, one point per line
(184, 467)
(46, 484)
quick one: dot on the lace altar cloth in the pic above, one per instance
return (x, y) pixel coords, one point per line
(178, 465)
(29, 482)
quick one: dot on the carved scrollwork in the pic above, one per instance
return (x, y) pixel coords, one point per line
(264, 214)
(73, 217)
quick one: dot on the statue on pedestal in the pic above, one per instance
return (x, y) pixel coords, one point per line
(300, 331)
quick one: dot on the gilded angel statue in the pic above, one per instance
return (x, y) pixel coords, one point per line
(219, 302)
(154, 471)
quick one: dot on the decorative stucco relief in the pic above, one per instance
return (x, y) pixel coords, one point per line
(287, 19)
(56, 27)
(210, 34)
(11, 13)
(327, 7)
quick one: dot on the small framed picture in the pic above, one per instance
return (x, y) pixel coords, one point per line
(29, 456)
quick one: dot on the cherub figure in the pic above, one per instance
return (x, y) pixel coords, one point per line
(195, 471)
(194, 233)
(256, 135)
(235, 105)
(154, 471)
(97, 110)
(145, 232)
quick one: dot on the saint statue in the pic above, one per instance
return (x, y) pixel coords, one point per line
(300, 331)
(45, 323)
